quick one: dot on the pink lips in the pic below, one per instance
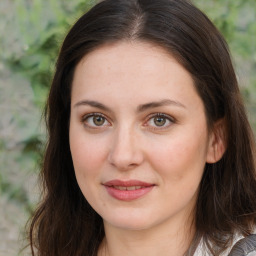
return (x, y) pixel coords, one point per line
(127, 190)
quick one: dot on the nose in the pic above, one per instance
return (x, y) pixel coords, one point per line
(125, 152)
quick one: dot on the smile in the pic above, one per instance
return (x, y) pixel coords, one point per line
(128, 190)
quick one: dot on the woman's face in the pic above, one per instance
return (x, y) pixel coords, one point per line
(138, 135)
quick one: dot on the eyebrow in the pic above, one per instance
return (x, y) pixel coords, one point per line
(92, 103)
(140, 108)
(155, 104)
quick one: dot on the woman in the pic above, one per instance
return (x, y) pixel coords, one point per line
(150, 151)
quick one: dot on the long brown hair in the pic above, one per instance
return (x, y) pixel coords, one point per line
(64, 223)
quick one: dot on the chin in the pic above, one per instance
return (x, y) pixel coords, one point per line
(128, 222)
(130, 225)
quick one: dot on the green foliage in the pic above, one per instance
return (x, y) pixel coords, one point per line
(237, 22)
(30, 50)
(47, 22)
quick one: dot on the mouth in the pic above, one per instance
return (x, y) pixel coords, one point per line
(128, 190)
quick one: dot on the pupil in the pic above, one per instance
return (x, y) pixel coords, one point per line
(159, 121)
(98, 120)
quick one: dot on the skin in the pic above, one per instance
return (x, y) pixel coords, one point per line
(127, 143)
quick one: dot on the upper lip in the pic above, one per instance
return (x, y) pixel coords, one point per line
(127, 183)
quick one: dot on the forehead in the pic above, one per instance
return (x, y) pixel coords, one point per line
(132, 70)
(132, 56)
(128, 57)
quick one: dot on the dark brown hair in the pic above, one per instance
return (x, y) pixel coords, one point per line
(65, 224)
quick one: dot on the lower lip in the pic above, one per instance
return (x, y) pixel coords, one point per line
(128, 195)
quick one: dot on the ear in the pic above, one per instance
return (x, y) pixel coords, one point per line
(217, 142)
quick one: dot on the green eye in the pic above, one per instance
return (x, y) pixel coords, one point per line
(98, 120)
(95, 120)
(159, 121)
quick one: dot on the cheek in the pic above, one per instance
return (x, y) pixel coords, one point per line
(88, 157)
(88, 154)
(180, 159)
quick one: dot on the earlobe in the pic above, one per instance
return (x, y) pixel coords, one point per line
(217, 142)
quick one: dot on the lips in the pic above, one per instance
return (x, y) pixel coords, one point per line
(128, 190)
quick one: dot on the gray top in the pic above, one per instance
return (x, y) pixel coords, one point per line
(242, 246)
(245, 247)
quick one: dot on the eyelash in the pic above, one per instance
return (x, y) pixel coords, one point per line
(86, 117)
(170, 119)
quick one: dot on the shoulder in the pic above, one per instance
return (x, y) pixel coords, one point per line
(244, 247)
(241, 246)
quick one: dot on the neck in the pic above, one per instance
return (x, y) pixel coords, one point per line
(164, 239)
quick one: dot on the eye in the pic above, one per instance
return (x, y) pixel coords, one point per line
(159, 120)
(95, 120)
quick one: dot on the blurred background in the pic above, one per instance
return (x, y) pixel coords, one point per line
(31, 32)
